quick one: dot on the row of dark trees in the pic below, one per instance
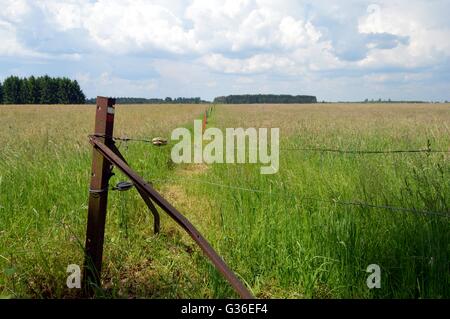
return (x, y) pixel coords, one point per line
(265, 98)
(167, 100)
(40, 90)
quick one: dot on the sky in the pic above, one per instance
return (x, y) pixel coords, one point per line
(339, 51)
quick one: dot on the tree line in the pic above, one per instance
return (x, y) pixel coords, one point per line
(167, 100)
(265, 98)
(40, 90)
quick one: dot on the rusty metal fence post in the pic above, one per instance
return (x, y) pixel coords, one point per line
(105, 155)
(98, 196)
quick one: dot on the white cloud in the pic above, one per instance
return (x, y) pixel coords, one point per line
(14, 10)
(127, 26)
(64, 14)
(296, 33)
(11, 46)
(240, 26)
(12, 13)
(106, 84)
(428, 42)
(255, 64)
(185, 40)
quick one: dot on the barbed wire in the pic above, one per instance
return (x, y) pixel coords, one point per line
(301, 149)
(335, 201)
(331, 150)
(122, 139)
(328, 150)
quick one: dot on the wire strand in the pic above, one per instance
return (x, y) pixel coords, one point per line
(329, 150)
(122, 139)
(293, 149)
(333, 201)
(213, 183)
(339, 202)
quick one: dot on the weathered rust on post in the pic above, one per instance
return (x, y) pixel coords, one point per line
(105, 155)
(148, 202)
(98, 196)
(174, 214)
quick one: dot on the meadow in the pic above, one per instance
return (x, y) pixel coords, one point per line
(300, 233)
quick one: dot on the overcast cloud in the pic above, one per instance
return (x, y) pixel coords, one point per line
(349, 50)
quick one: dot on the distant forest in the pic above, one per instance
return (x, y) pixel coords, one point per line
(40, 90)
(230, 99)
(48, 90)
(265, 98)
(167, 100)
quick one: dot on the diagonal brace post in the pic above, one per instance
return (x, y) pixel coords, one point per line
(179, 218)
(145, 197)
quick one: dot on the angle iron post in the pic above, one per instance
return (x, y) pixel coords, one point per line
(179, 218)
(98, 196)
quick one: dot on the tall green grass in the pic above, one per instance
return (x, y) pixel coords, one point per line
(45, 163)
(287, 239)
(296, 240)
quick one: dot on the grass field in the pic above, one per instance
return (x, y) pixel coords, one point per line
(287, 235)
